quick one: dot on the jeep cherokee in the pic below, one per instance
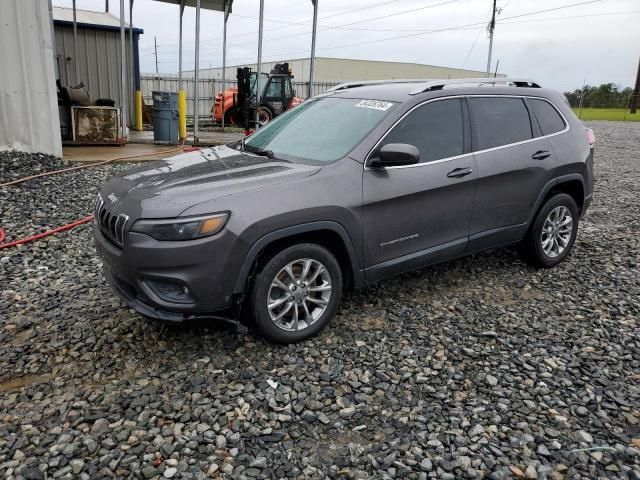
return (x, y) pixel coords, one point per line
(365, 181)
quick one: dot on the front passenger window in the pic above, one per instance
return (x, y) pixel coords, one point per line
(435, 128)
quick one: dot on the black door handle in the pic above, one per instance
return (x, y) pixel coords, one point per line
(459, 172)
(540, 155)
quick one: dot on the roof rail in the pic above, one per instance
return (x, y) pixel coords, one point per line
(440, 84)
(364, 83)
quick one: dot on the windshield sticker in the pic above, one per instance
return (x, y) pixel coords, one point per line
(375, 104)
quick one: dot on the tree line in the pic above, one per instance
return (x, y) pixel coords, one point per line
(607, 95)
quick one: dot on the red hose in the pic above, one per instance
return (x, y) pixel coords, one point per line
(69, 226)
(33, 238)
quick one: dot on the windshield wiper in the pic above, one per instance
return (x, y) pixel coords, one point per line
(264, 153)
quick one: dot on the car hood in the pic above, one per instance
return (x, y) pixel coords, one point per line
(166, 188)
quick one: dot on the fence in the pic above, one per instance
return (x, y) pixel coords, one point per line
(208, 88)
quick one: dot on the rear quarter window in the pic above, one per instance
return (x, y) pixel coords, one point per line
(548, 117)
(500, 121)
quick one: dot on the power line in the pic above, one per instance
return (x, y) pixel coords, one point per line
(292, 23)
(418, 31)
(360, 21)
(466, 59)
(453, 28)
(352, 23)
(502, 22)
(459, 27)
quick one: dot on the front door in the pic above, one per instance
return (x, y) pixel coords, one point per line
(420, 214)
(274, 95)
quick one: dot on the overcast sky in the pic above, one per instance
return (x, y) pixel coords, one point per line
(597, 41)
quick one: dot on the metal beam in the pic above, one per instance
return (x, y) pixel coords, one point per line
(197, 68)
(312, 63)
(259, 69)
(227, 10)
(75, 44)
(131, 63)
(123, 74)
(180, 47)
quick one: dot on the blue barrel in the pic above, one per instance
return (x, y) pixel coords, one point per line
(165, 118)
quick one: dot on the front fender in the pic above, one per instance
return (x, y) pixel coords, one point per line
(263, 242)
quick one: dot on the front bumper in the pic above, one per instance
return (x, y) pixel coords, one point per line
(203, 267)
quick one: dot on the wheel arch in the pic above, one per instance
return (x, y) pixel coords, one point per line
(328, 234)
(572, 184)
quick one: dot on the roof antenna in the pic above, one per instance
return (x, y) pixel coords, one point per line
(495, 74)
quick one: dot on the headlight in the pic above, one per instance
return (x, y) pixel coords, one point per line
(182, 229)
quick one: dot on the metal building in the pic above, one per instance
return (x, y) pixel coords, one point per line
(345, 69)
(98, 55)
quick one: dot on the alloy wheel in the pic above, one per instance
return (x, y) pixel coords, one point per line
(299, 294)
(556, 231)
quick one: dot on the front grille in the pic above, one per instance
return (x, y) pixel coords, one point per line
(111, 225)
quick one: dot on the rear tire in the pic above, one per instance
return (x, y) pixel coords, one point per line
(296, 294)
(552, 233)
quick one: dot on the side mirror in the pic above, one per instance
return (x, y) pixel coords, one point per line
(395, 154)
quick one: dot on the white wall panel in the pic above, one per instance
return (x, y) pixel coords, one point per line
(28, 102)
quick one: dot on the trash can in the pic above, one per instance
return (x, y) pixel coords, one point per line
(165, 118)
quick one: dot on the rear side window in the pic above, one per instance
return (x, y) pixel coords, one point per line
(500, 121)
(548, 117)
(435, 128)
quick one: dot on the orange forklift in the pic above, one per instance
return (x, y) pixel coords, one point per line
(277, 96)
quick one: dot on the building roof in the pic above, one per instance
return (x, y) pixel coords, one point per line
(217, 5)
(339, 59)
(89, 18)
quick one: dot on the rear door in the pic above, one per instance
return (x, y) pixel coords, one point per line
(417, 214)
(514, 164)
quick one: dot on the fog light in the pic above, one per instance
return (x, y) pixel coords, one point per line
(168, 291)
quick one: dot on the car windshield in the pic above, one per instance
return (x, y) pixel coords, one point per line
(319, 130)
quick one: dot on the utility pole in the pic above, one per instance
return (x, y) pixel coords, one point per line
(492, 27)
(312, 61)
(636, 92)
(155, 46)
(106, 6)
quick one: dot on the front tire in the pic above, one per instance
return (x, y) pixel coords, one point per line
(553, 232)
(231, 117)
(265, 115)
(296, 294)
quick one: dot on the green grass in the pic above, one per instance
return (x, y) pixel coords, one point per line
(614, 114)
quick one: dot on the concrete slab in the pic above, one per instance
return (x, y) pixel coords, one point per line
(140, 152)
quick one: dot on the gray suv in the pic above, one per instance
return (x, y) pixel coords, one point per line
(363, 182)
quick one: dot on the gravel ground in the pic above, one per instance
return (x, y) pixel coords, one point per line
(477, 368)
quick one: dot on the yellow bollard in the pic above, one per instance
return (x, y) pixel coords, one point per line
(182, 114)
(138, 110)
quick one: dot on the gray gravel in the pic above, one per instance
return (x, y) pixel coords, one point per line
(477, 368)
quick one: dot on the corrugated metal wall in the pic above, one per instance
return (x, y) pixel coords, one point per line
(98, 61)
(28, 101)
(207, 89)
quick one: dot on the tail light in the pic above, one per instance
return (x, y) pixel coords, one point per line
(590, 136)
